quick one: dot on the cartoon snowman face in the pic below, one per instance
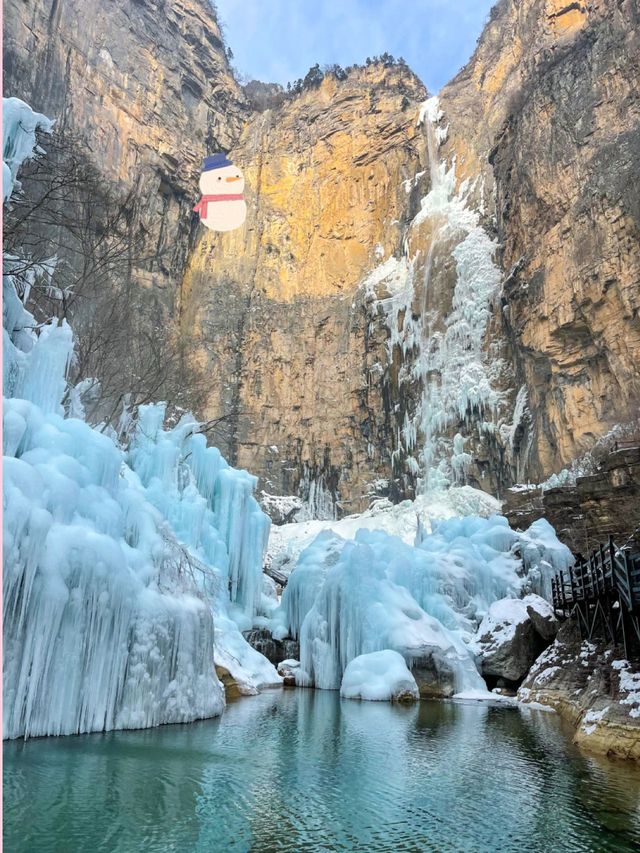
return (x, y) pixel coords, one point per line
(222, 206)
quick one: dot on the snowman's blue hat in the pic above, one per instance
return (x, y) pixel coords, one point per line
(215, 161)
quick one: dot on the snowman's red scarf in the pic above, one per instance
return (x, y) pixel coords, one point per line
(201, 206)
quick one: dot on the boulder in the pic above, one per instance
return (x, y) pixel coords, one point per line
(434, 680)
(287, 669)
(231, 688)
(512, 635)
(274, 650)
(593, 688)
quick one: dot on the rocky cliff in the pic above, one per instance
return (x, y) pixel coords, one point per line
(421, 294)
(277, 307)
(548, 110)
(539, 138)
(140, 92)
(592, 688)
(602, 503)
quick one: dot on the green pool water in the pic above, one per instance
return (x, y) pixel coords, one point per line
(302, 770)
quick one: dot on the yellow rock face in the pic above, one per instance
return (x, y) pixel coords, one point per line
(323, 186)
(566, 17)
(274, 306)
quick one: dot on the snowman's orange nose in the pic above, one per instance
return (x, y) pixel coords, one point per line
(236, 178)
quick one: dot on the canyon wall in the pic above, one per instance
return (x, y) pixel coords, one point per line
(541, 133)
(420, 295)
(548, 109)
(277, 307)
(140, 92)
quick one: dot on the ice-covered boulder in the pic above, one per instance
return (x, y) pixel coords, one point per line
(512, 635)
(379, 676)
(287, 669)
(305, 584)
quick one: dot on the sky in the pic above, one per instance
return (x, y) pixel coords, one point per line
(279, 40)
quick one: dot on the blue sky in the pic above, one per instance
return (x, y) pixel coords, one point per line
(278, 40)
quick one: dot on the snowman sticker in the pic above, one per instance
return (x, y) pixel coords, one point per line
(222, 206)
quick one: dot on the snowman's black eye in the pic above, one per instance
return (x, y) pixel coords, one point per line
(219, 179)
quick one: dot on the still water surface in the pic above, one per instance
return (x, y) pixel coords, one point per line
(302, 770)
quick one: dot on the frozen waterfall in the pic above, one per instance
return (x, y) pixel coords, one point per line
(442, 348)
(123, 568)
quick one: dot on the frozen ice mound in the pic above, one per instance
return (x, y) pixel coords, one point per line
(114, 573)
(543, 556)
(425, 601)
(375, 592)
(379, 677)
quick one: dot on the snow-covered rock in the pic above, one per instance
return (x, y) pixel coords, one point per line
(281, 509)
(513, 634)
(287, 670)
(263, 641)
(249, 669)
(596, 691)
(379, 676)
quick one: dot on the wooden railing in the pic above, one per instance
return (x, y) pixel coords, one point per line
(603, 593)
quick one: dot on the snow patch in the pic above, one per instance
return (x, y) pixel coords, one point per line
(591, 719)
(629, 684)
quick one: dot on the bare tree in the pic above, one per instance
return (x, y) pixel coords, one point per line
(79, 247)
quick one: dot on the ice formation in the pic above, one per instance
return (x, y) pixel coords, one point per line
(444, 353)
(379, 677)
(543, 556)
(19, 143)
(287, 541)
(210, 508)
(375, 591)
(116, 562)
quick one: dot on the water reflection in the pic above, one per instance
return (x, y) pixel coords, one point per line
(305, 771)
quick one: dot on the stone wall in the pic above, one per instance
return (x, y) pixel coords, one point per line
(606, 503)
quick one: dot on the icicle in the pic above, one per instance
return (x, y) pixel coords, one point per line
(112, 572)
